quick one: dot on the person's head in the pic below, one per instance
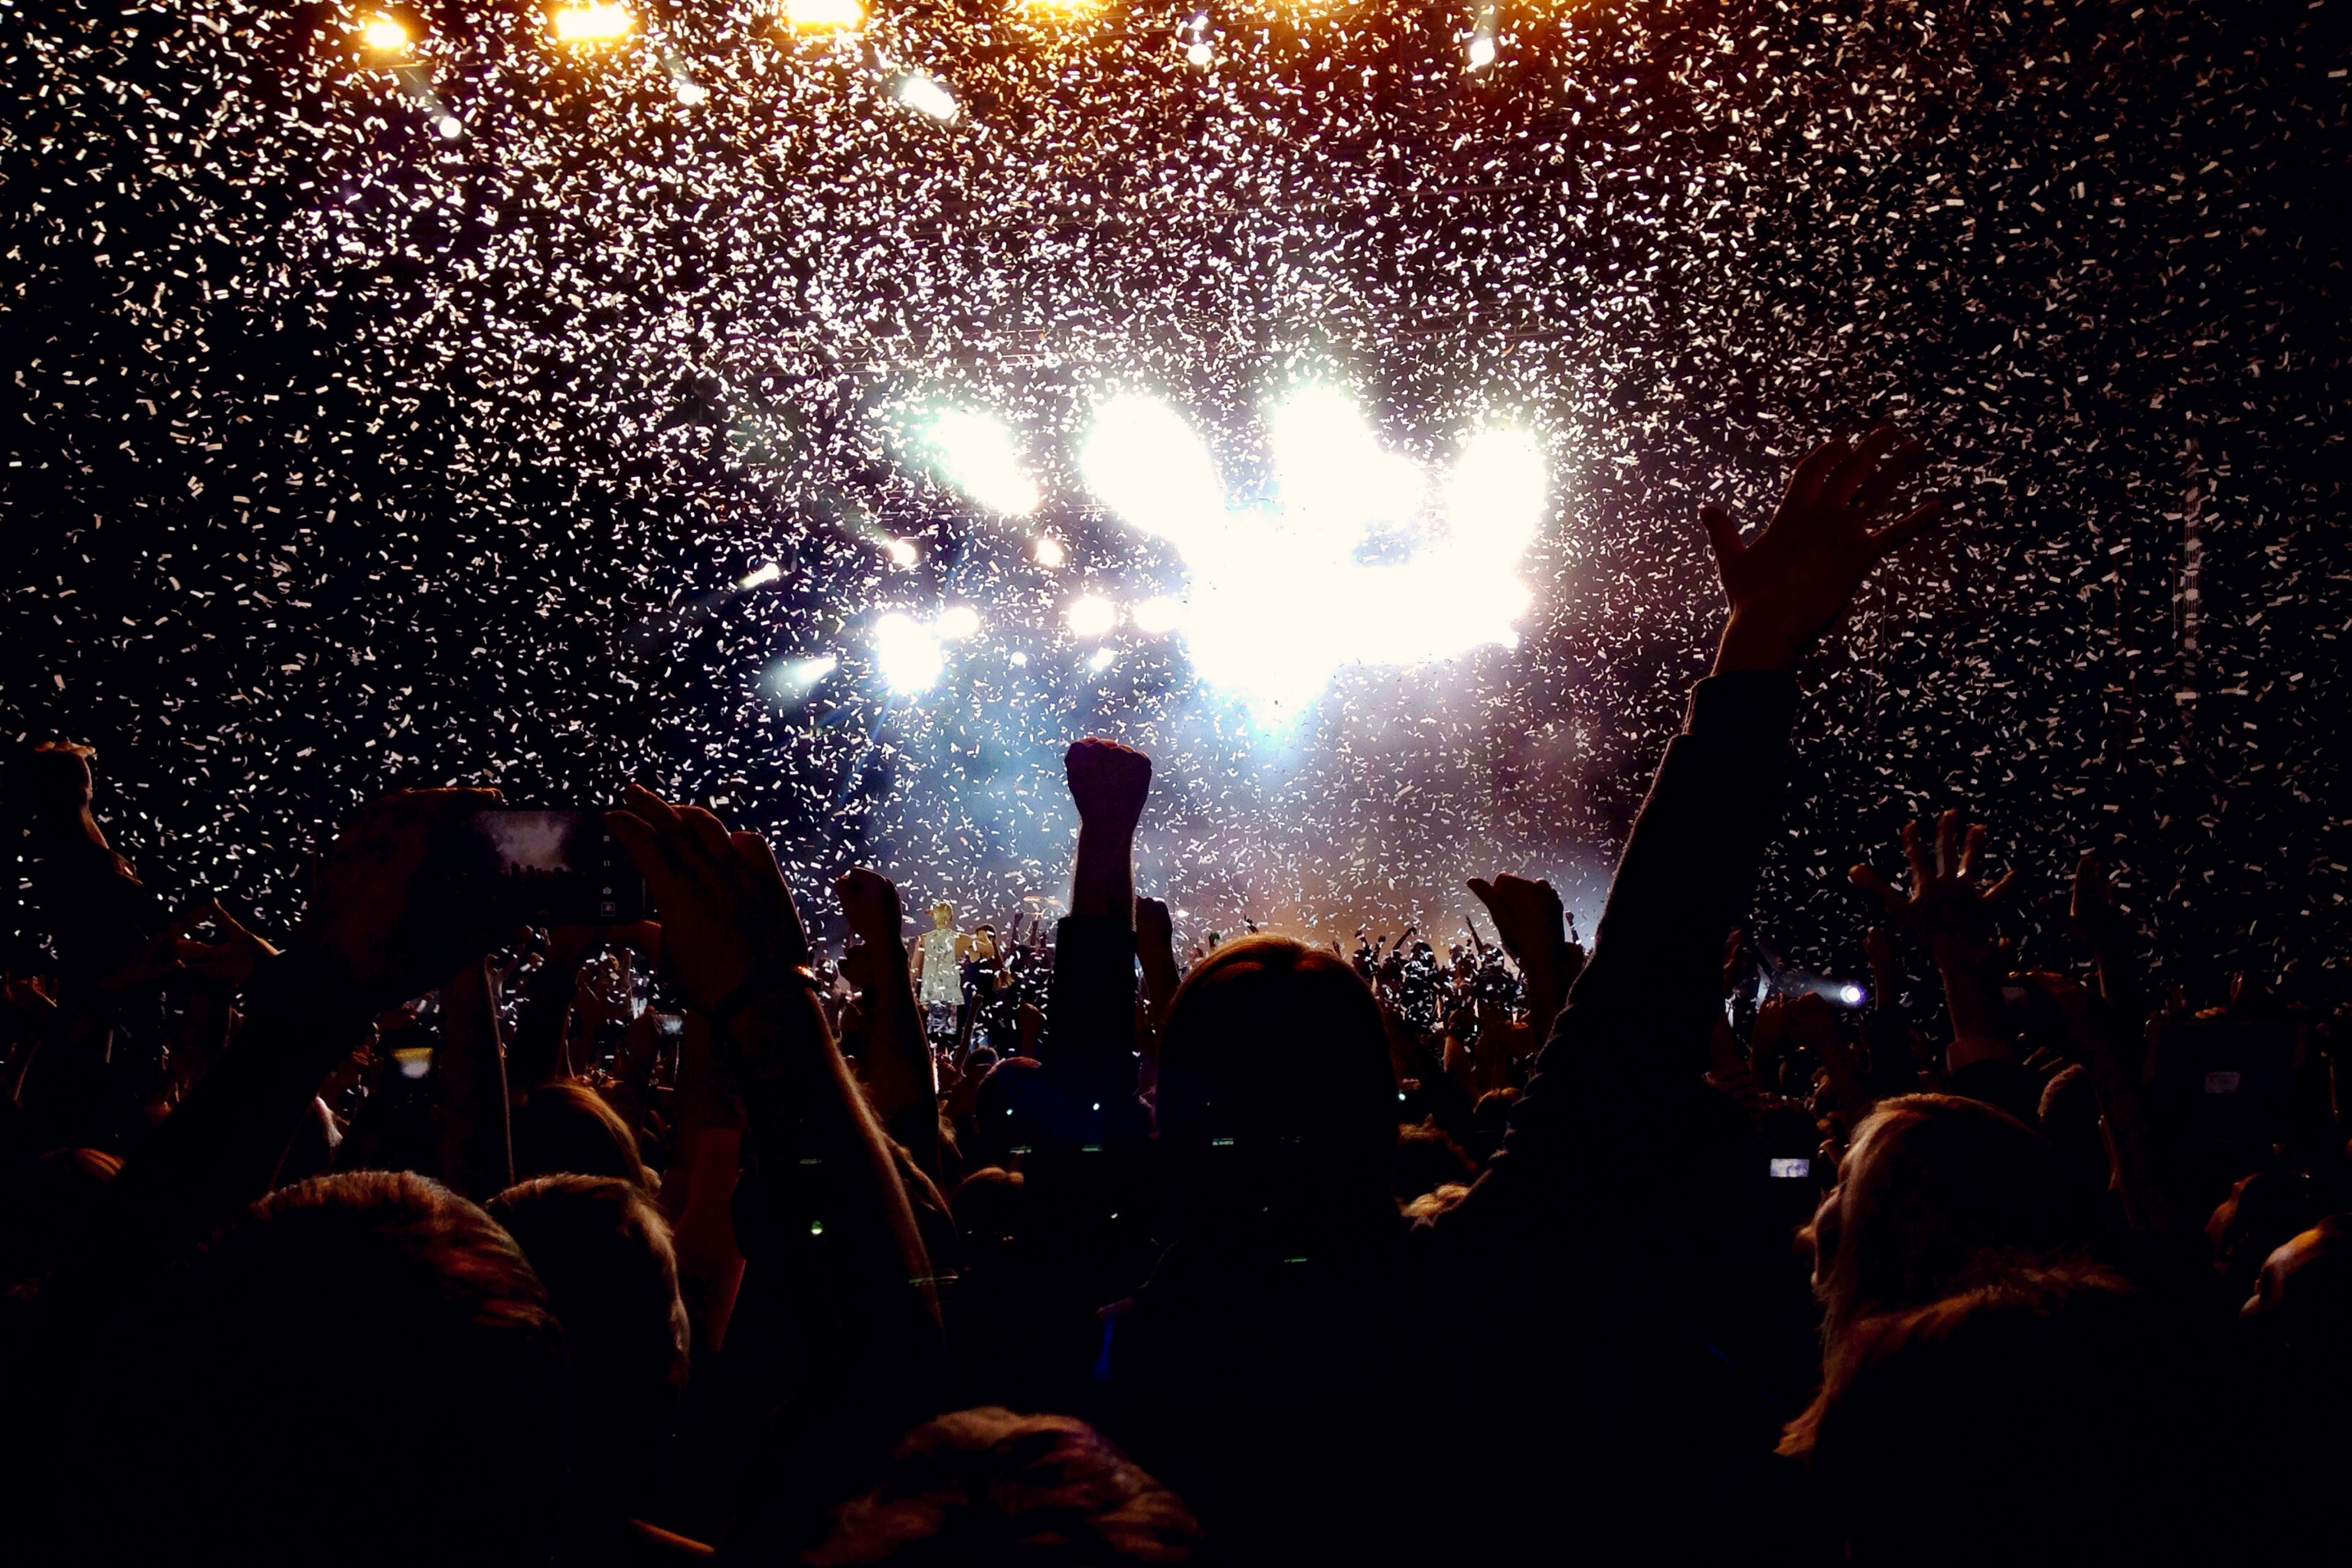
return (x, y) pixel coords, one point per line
(604, 1252)
(565, 1128)
(363, 1369)
(987, 1207)
(53, 781)
(1275, 1081)
(943, 915)
(1932, 1190)
(1426, 1159)
(988, 1486)
(2025, 1419)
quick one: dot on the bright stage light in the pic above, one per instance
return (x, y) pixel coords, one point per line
(450, 126)
(1091, 616)
(1049, 552)
(978, 456)
(901, 552)
(1851, 994)
(1158, 615)
(957, 622)
(384, 35)
(760, 576)
(926, 97)
(1101, 659)
(817, 15)
(799, 677)
(1279, 597)
(1198, 55)
(1482, 40)
(1143, 462)
(908, 655)
(598, 22)
(691, 92)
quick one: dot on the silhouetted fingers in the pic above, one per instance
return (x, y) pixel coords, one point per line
(1879, 888)
(1907, 458)
(1805, 484)
(1971, 846)
(1948, 844)
(1917, 851)
(704, 843)
(1856, 468)
(1908, 527)
(651, 851)
(647, 808)
(768, 878)
(1722, 534)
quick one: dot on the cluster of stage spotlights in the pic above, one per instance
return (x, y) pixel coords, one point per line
(391, 42)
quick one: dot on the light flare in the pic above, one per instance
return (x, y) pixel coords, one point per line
(977, 454)
(1091, 616)
(908, 655)
(595, 23)
(926, 96)
(384, 35)
(824, 16)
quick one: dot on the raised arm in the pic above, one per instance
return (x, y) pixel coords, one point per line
(896, 1064)
(1091, 1042)
(1639, 1021)
(1688, 872)
(853, 1292)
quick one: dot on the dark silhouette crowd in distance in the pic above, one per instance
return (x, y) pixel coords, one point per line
(426, 1240)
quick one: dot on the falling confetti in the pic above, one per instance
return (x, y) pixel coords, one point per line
(406, 397)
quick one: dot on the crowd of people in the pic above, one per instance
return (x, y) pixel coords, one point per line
(430, 1239)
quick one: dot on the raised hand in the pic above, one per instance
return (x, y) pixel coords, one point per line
(1950, 911)
(1109, 782)
(896, 1065)
(233, 957)
(382, 912)
(1944, 904)
(1527, 914)
(869, 901)
(727, 918)
(1791, 584)
(1529, 919)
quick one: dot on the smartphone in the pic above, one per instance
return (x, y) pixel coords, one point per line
(552, 867)
(1800, 1170)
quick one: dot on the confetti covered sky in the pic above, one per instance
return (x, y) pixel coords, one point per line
(389, 412)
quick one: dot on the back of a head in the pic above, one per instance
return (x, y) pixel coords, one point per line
(2025, 1420)
(337, 1377)
(603, 1250)
(988, 1486)
(1935, 1190)
(1275, 1050)
(566, 1129)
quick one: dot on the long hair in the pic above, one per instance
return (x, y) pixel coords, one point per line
(1937, 1195)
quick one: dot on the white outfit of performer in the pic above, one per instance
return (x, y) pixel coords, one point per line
(942, 978)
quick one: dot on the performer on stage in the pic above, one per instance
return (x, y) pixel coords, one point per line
(939, 972)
